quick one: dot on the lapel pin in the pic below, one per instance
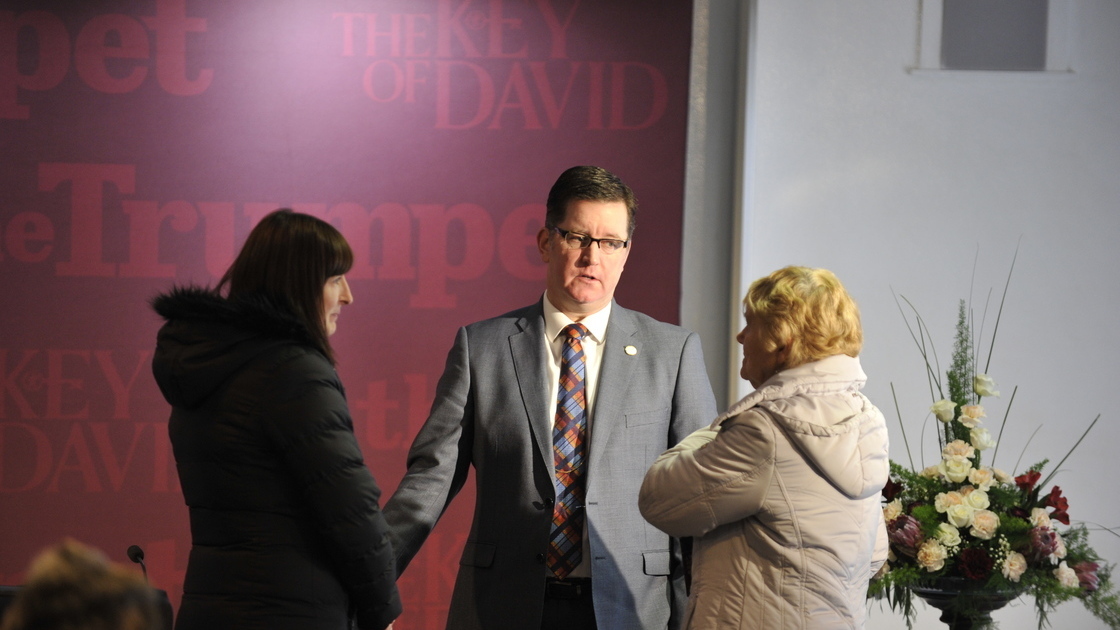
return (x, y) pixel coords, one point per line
(631, 350)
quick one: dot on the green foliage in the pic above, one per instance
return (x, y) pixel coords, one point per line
(1004, 496)
(1104, 602)
(962, 370)
(1014, 527)
(895, 587)
(919, 488)
(929, 518)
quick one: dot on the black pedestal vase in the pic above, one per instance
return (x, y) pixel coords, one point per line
(964, 604)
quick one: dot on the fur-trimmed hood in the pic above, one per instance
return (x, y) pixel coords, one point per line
(207, 338)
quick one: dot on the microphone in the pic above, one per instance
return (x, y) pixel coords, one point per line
(136, 554)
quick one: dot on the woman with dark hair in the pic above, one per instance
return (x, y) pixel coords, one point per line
(286, 529)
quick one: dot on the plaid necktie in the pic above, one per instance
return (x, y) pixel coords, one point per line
(565, 549)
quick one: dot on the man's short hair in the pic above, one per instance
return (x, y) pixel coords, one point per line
(588, 183)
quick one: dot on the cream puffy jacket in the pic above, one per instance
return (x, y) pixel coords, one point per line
(782, 496)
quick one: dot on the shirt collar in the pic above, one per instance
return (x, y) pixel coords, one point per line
(596, 323)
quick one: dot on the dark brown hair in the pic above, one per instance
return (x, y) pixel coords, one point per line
(588, 183)
(287, 259)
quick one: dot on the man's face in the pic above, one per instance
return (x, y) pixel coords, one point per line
(582, 281)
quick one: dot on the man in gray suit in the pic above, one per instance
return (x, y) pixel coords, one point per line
(561, 407)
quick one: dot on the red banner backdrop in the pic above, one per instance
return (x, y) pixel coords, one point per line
(141, 140)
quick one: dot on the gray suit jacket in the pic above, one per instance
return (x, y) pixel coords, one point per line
(491, 411)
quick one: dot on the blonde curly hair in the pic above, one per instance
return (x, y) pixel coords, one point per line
(807, 310)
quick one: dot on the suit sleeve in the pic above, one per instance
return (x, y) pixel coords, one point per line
(438, 461)
(309, 422)
(711, 478)
(694, 404)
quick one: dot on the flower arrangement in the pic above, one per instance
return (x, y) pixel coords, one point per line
(977, 525)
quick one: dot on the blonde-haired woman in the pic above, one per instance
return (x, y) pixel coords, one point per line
(782, 491)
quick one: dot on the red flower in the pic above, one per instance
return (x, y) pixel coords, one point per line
(1027, 480)
(1087, 575)
(891, 490)
(1060, 505)
(1061, 516)
(975, 563)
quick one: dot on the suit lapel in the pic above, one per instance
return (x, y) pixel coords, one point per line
(614, 377)
(529, 368)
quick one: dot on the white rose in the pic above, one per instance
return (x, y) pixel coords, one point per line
(1067, 577)
(982, 478)
(958, 448)
(892, 510)
(948, 535)
(1002, 476)
(1014, 566)
(959, 515)
(955, 469)
(930, 472)
(931, 556)
(946, 500)
(981, 439)
(1040, 518)
(944, 409)
(983, 385)
(977, 500)
(984, 524)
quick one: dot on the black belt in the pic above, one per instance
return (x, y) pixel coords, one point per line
(570, 588)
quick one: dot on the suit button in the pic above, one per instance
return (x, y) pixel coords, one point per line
(540, 558)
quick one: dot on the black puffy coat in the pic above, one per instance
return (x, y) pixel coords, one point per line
(286, 529)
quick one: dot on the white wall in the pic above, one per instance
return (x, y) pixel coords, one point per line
(911, 180)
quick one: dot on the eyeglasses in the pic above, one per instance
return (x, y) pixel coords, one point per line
(575, 240)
